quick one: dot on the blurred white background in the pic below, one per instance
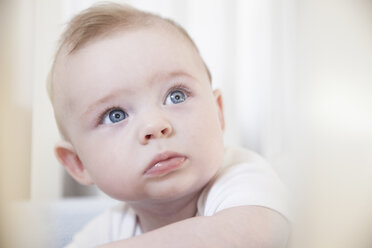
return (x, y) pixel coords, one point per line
(297, 83)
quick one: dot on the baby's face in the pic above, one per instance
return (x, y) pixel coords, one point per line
(141, 115)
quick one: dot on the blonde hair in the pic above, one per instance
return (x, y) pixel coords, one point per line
(103, 19)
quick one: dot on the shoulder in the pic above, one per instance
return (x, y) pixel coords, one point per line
(117, 222)
(244, 179)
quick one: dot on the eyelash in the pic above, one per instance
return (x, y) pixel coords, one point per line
(104, 113)
(179, 86)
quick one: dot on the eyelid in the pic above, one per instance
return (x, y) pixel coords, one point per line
(102, 116)
(179, 86)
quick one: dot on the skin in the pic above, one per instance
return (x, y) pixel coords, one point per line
(114, 156)
(136, 72)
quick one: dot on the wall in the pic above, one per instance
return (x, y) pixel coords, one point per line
(15, 105)
(333, 133)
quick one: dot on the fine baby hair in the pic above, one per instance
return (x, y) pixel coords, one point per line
(104, 19)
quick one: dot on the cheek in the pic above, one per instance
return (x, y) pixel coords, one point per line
(204, 122)
(105, 158)
(204, 135)
(110, 169)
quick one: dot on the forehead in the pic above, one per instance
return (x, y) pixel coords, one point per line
(126, 56)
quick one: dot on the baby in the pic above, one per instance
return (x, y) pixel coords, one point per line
(138, 118)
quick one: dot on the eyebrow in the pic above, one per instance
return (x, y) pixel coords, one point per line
(154, 79)
(104, 99)
(168, 76)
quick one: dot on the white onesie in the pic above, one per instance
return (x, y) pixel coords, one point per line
(244, 179)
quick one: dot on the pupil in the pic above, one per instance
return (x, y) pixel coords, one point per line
(117, 115)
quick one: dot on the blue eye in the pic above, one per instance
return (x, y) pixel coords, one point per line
(114, 116)
(175, 97)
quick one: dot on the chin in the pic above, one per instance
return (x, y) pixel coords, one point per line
(178, 191)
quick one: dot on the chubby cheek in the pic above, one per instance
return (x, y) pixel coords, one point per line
(204, 136)
(108, 163)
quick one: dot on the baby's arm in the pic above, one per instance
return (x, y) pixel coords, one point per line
(247, 226)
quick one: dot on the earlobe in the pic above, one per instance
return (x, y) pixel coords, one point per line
(218, 97)
(68, 157)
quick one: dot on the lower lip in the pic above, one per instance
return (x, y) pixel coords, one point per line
(166, 166)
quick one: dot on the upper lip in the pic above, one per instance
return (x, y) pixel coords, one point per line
(162, 157)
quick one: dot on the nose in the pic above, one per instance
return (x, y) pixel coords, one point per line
(156, 128)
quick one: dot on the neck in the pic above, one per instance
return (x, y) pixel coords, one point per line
(156, 214)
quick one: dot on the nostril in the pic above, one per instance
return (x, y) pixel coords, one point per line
(160, 133)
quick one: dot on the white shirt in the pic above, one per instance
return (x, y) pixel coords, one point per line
(244, 179)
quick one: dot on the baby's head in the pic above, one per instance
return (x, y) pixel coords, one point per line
(133, 101)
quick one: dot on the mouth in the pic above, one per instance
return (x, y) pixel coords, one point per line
(164, 163)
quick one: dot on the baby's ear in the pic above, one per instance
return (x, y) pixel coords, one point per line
(218, 97)
(68, 157)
